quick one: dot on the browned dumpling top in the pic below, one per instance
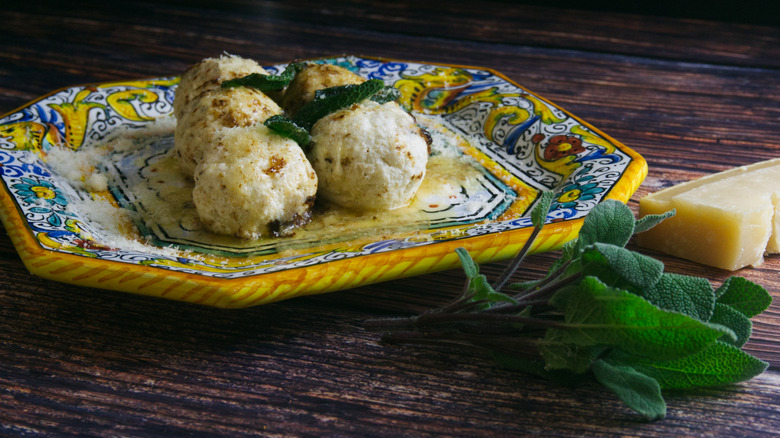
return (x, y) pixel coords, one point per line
(209, 74)
(212, 111)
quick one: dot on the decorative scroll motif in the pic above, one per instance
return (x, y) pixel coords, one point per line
(531, 140)
(536, 141)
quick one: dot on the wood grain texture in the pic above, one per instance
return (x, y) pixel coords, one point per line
(692, 96)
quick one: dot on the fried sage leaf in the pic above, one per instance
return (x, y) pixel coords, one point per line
(333, 99)
(287, 128)
(265, 82)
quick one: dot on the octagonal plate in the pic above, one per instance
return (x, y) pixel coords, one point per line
(138, 232)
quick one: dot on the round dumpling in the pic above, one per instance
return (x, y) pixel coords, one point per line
(257, 183)
(369, 156)
(212, 111)
(207, 75)
(315, 77)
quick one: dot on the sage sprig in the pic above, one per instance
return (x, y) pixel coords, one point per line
(266, 82)
(601, 311)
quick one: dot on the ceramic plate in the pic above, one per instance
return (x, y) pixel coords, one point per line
(113, 222)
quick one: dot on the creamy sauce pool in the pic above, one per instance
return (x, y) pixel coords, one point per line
(167, 197)
(140, 167)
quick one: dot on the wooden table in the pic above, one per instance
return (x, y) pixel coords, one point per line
(692, 96)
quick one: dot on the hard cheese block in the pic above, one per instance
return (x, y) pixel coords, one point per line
(727, 220)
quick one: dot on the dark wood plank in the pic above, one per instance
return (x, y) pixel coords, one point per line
(171, 36)
(131, 364)
(692, 96)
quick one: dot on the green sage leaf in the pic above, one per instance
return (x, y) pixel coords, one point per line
(265, 82)
(558, 354)
(331, 92)
(560, 298)
(744, 295)
(386, 94)
(330, 100)
(610, 221)
(649, 221)
(692, 296)
(469, 266)
(569, 250)
(484, 291)
(615, 264)
(539, 213)
(718, 364)
(638, 391)
(732, 318)
(597, 314)
(287, 128)
(478, 284)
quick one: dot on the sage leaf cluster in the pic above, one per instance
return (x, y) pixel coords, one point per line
(326, 101)
(604, 312)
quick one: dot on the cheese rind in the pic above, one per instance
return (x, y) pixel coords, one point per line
(727, 220)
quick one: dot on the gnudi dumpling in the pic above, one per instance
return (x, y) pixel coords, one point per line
(255, 183)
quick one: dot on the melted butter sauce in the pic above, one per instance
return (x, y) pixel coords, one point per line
(166, 197)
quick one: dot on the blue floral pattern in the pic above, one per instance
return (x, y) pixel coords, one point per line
(36, 190)
(44, 200)
(576, 192)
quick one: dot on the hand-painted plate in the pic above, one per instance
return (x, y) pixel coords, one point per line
(89, 196)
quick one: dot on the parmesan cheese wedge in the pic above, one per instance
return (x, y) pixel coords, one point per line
(728, 220)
